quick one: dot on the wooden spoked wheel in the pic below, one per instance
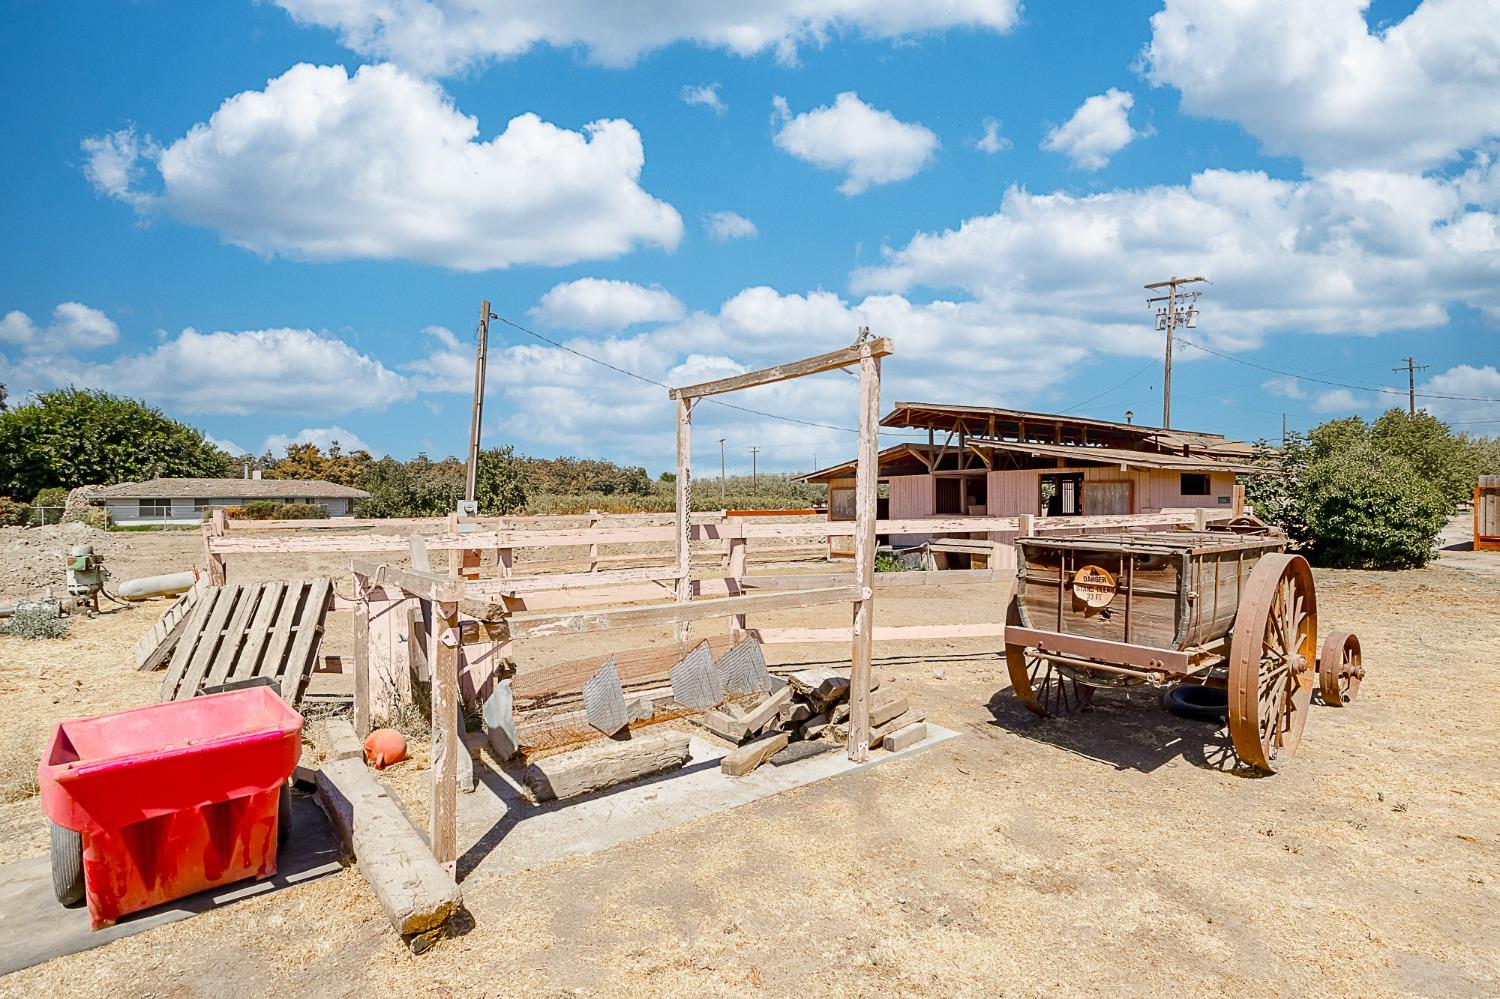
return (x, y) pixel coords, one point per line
(1271, 661)
(1340, 669)
(1041, 686)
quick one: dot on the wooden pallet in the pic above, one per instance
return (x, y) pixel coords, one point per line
(270, 630)
(156, 645)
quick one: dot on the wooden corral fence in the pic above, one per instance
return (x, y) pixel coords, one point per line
(1487, 514)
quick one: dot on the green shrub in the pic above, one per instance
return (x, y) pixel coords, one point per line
(890, 563)
(13, 513)
(1367, 509)
(48, 505)
(276, 510)
(37, 621)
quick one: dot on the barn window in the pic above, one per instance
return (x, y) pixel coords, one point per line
(1195, 484)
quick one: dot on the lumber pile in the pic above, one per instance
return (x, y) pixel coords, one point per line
(811, 704)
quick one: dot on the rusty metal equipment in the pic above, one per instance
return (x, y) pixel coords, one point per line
(1218, 608)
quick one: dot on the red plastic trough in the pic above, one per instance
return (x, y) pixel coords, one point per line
(172, 798)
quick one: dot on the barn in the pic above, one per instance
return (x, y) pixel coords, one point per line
(984, 461)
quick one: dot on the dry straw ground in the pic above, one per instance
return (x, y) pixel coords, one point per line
(1104, 854)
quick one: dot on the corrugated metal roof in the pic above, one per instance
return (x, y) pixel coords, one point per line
(1124, 456)
(277, 489)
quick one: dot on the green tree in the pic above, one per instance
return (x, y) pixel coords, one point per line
(307, 461)
(1366, 509)
(500, 481)
(1432, 451)
(1277, 497)
(73, 437)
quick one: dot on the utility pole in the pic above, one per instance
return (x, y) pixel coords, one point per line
(721, 471)
(481, 357)
(754, 473)
(1167, 318)
(1283, 430)
(1411, 368)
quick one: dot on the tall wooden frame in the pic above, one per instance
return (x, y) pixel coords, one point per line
(867, 354)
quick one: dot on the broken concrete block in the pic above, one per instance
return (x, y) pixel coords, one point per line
(752, 754)
(795, 714)
(336, 737)
(904, 738)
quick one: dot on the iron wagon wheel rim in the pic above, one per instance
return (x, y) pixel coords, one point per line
(1340, 668)
(1271, 659)
(1041, 686)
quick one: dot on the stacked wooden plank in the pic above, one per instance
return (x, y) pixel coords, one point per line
(241, 632)
(157, 644)
(812, 704)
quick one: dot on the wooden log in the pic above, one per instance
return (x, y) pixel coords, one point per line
(605, 765)
(904, 738)
(722, 724)
(416, 893)
(752, 754)
(814, 726)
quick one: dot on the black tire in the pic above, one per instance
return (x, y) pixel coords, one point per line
(67, 865)
(1197, 702)
(284, 814)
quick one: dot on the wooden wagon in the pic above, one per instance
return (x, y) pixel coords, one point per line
(1225, 610)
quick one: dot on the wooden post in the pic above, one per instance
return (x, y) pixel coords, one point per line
(1025, 525)
(737, 559)
(684, 590)
(1200, 519)
(865, 499)
(594, 547)
(443, 827)
(1238, 504)
(361, 658)
(215, 527)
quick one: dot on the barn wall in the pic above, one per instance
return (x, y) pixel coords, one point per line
(1018, 491)
(911, 496)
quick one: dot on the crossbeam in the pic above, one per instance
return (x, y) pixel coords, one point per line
(781, 372)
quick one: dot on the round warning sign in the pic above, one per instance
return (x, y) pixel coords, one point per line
(1094, 586)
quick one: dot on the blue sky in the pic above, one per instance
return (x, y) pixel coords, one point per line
(276, 220)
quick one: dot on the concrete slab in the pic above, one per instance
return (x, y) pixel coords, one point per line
(502, 832)
(34, 928)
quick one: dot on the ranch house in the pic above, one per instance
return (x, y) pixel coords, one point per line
(188, 501)
(981, 461)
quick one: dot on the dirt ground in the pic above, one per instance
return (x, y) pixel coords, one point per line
(1110, 853)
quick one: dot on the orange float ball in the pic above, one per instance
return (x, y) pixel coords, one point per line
(383, 747)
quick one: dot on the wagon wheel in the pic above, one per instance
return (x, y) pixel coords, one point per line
(1037, 682)
(1340, 669)
(1271, 661)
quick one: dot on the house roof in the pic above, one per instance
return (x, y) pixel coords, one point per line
(913, 459)
(279, 489)
(994, 422)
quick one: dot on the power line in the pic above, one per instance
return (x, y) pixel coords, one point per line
(1411, 368)
(1326, 381)
(1079, 405)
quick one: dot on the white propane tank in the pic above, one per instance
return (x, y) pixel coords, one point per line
(157, 586)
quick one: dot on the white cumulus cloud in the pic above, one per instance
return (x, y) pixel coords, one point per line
(443, 36)
(991, 141)
(74, 327)
(322, 165)
(1361, 253)
(703, 95)
(1314, 80)
(725, 226)
(1477, 406)
(323, 437)
(1098, 129)
(868, 145)
(227, 446)
(598, 304)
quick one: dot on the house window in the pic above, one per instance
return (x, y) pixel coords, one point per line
(202, 506)
(1195, 484)
(158, 509)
